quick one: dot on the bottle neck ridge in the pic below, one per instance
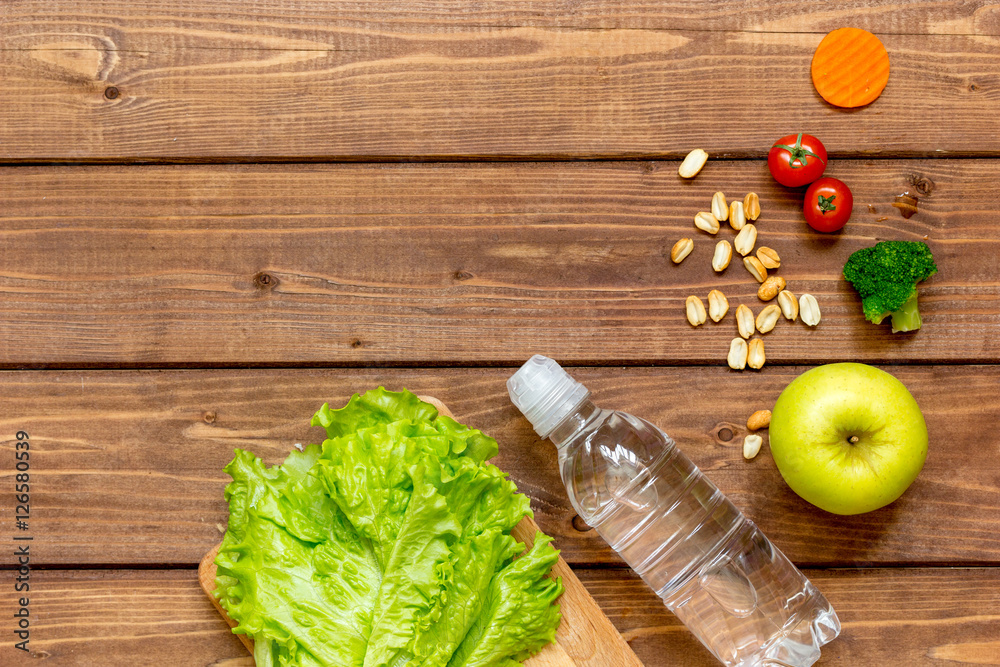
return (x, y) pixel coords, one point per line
(573, 423)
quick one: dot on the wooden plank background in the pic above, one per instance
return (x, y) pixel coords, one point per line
(128, 464)
(136, 617)
(460, 185)
(446, 264)
(364, 80)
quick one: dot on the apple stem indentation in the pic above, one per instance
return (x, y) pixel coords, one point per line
(853, 439)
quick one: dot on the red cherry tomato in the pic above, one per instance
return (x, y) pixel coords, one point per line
(828, 205)
(796, 160)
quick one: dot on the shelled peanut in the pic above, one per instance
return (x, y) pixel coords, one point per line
(758, 260)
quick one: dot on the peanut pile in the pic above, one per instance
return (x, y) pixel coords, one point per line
(745, 350)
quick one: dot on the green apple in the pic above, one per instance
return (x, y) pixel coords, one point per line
(848, 438)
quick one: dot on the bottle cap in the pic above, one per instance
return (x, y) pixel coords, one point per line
(545, 393)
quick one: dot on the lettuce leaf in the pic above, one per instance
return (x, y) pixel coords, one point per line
(310, 599)
(519, 616)
(389, 545)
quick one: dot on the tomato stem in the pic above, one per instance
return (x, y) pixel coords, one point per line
(797, 153)
(826, 204)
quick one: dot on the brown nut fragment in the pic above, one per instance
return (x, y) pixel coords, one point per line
(767, 318)
(789, 305)
(755, 268)
(770, 288)
(737, 218)
(745, 240)
(751, 206)
(768, 257)
(695, 311)
(744, 321)
(723, 255)
(706, 222)
(755, 354)
(720, 209)
(758, 420)
(751, 446)
(692, 163)
(681, 250)
(737, 358)
(718, 305)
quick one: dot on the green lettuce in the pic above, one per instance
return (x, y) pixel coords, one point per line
(387, 545)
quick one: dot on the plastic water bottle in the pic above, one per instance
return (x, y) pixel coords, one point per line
(714, 569)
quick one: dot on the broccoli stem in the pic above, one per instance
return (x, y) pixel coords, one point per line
(907, 318)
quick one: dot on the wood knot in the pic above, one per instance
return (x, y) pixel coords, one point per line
(356, 343)
(973, 87)
(464, 275)
(580, 524)
(264, 280)
(724, 433)
(111, 92)
(209, 417)
(922, 184)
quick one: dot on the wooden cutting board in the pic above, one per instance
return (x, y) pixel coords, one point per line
(585, 638)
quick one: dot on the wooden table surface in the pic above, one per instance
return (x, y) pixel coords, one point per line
(218, 215)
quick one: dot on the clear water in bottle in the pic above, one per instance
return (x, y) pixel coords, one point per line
(713, 568)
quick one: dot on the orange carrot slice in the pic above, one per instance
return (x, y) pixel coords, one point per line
(850, 67)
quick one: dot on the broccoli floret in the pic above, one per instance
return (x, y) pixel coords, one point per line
(886, 277)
